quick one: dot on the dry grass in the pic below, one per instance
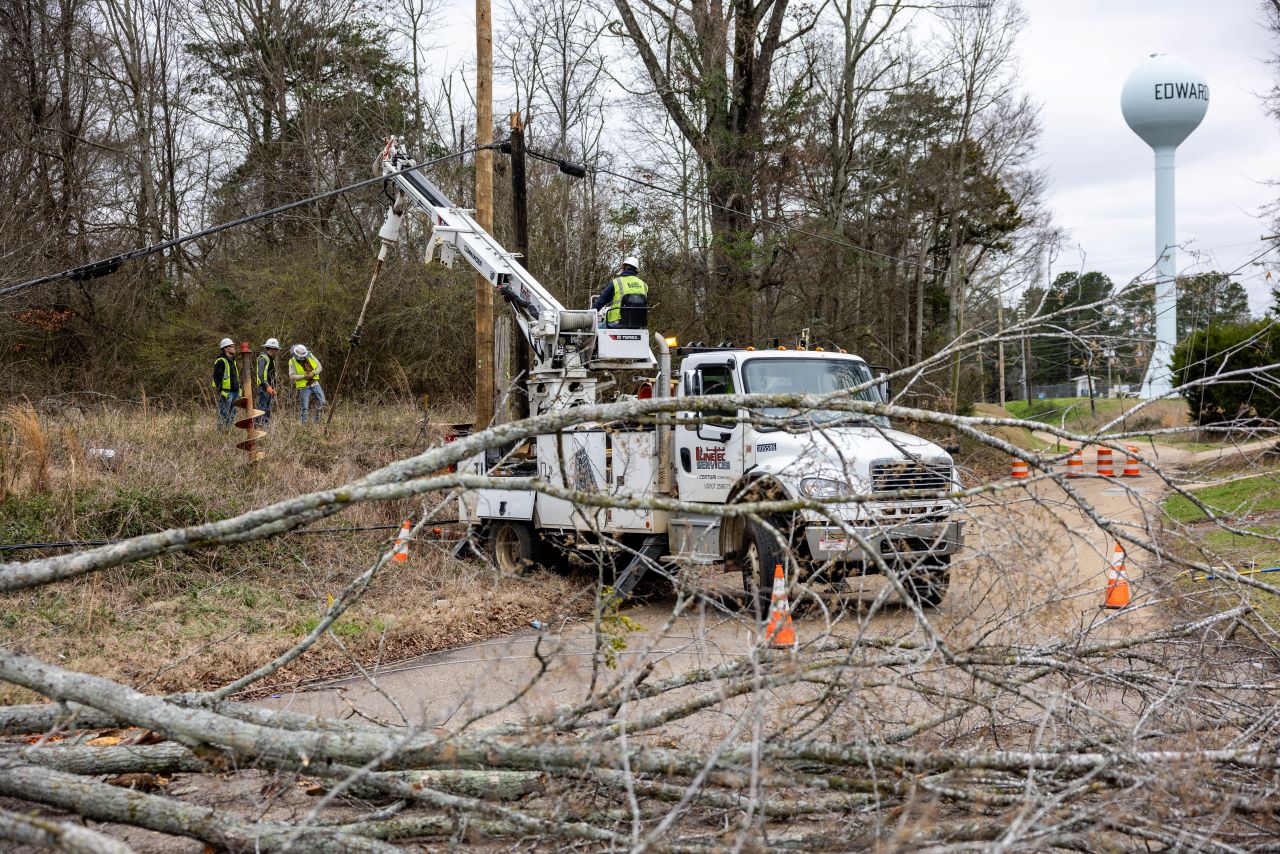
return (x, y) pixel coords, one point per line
(195, 621)
(26, 451)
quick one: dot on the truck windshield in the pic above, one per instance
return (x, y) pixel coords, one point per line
(808, 376)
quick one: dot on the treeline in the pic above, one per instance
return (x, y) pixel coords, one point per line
(1097, 328)
(862, 169)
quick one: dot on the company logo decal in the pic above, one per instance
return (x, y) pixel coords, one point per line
(624, 337)
(709, 458)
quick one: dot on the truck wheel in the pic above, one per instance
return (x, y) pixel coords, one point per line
(760, 553)
(511, 547)
(926, 582)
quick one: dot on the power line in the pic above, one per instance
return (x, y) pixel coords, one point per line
(107, 266)
(547, 158)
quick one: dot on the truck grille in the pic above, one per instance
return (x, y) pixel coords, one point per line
(910, 478)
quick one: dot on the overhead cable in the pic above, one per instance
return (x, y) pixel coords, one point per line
(572, 168)
(107, 266)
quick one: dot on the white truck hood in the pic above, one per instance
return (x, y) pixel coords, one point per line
(844, 453)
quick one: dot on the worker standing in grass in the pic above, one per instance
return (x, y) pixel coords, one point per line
(304, 370)
(265, 380)
(226, 383)
(627, 289)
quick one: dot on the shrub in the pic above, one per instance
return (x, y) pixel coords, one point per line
(1224, 349)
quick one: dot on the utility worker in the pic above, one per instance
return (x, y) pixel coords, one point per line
(226, 383)
(304, 370)
(264, 379)
(627, 289)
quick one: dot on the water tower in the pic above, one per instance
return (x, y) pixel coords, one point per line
(1163, 101)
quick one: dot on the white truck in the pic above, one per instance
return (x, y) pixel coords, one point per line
(884, 495)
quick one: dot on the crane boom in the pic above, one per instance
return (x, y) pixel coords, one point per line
(567, 344)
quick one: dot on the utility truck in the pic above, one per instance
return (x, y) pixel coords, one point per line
(878, 497)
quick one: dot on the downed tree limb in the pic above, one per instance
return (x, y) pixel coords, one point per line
(58, 835)
(120, 759)
(486, 785)
(215, 827)
(52, 717)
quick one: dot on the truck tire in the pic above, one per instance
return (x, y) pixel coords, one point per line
(761, 552)
(511, 546)
(926, 582)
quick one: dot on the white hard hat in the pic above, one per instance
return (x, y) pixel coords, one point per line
(631, 261)
(226, 342)
(299, 352)
(272, 344)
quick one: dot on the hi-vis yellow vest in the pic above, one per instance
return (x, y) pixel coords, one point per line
(301, 369)
(624, 286)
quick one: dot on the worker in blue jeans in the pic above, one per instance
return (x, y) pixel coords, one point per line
(226, 383)
(264, 378)
(304, 370)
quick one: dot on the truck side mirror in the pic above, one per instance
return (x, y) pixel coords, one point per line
(692, 383)
(886, 391)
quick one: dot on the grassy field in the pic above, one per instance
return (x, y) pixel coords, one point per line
(1235, 499)
(1074, 413)
(1250, 504)
(1020, 436)
(184, 622)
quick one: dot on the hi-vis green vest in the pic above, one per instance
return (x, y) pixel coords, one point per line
(229, 371)
(624, 286)
(295, 367)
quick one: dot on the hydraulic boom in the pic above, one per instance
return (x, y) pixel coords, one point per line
(568, 345)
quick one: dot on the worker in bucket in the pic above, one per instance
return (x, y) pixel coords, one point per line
(226, 383)
(627, 289)
(264, 380)
(304, 370)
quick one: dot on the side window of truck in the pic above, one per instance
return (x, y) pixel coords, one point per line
(716, 380)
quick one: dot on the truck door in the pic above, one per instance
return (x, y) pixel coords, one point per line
(708, 444)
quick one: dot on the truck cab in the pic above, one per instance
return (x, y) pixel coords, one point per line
(878, 496)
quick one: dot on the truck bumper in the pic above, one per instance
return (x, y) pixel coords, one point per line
(828, 542)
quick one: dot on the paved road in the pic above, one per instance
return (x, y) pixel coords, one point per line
(1033, 569)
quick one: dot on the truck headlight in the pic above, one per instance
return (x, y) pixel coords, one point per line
(823, 487)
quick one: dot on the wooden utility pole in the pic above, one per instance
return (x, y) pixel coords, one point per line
(520, 221)
(484, 210)
(1000, 341)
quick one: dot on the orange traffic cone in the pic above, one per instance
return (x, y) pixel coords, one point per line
(1019, 469)
(1131, 463)
(1117, 581)
(1105, 467)
(402, 544)
(1075, 463)
(779, 631)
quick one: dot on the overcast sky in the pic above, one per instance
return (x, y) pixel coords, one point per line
(1076, 56)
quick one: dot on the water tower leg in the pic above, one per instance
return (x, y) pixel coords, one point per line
(1159, 380)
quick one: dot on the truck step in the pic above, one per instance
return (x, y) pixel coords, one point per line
(649, 553)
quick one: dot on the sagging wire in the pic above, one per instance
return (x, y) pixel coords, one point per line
(107, 266)
(580, 170)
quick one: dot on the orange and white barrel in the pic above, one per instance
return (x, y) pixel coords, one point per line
(1019, 469)
(1131, 468)
(1075, 463)
(1105, 466)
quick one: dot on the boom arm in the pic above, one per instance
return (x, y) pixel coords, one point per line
(559, 337)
